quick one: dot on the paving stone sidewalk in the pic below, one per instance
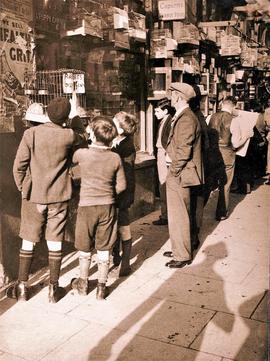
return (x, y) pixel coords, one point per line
(213, 310)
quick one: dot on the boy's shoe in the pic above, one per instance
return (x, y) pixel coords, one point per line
(124, 271)
(102, 291)
(116, 253)
(20, 291)
(81, 285)
(116, 259)
(55, 292)
(125, 264)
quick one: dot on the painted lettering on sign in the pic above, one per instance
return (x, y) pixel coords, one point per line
(172, 9)
(16, 45)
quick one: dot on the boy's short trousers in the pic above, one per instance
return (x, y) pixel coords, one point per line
(43, 220)
(96, 227)
(123, 217)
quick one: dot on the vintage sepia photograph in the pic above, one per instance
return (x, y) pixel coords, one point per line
(134, 180)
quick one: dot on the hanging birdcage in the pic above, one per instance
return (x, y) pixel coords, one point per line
(43, 86)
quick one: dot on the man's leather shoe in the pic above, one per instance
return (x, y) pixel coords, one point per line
(177, 264)
(168, 254)
(160, 222)
(221, 218)
(195, 246)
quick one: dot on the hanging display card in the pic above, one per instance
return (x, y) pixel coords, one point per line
(79, 81)
(68, 83)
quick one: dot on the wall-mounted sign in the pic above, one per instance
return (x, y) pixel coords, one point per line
(49, 16)
(172, 9)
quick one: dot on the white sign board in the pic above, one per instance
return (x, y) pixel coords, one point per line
(172, 9)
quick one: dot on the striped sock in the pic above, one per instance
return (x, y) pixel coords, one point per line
(25, 264)
(55, 258)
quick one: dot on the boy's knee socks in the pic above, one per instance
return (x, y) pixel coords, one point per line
(103, 270)
(84, 263)
(25, 264)
(55, 258)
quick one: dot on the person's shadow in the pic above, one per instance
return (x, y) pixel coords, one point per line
(171, 308)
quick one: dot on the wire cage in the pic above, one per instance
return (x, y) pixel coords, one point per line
(43, 86)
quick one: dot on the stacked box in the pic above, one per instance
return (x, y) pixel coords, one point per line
(136, 20)
(157, 34)
(185, 33)
(119, 38)
(86, 25)
(137, 29)
(116, 18)
(162, 48)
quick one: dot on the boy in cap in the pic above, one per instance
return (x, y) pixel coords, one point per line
(41, 173)
(102, 178)
(163, 112)
(185, 171)
(123, 145)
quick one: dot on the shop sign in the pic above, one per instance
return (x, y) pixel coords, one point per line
(49, 15)
(230, 45)
(21, 9)
(172, 9)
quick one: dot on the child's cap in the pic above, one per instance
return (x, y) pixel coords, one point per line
(58, 110)
(163, 103)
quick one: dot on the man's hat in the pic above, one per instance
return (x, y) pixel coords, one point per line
(185, 89)
(35, 113)
(58, 110)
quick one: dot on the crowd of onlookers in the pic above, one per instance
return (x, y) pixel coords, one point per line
(194, 157)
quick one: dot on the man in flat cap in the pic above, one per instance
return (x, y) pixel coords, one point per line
(41, 173)
(185, 171)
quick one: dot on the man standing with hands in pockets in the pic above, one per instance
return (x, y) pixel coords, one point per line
(185, 171)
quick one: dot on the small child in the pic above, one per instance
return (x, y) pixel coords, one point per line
(124, 145)
(102, 177)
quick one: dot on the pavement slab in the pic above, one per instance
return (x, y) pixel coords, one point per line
(260, 313)
(22, 324)
(247, 339)
(8, 357)
(113, 344)
(204, 293)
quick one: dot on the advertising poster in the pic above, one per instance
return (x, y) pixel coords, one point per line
(16, 58)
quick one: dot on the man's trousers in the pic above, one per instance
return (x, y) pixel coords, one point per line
(178, 203)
